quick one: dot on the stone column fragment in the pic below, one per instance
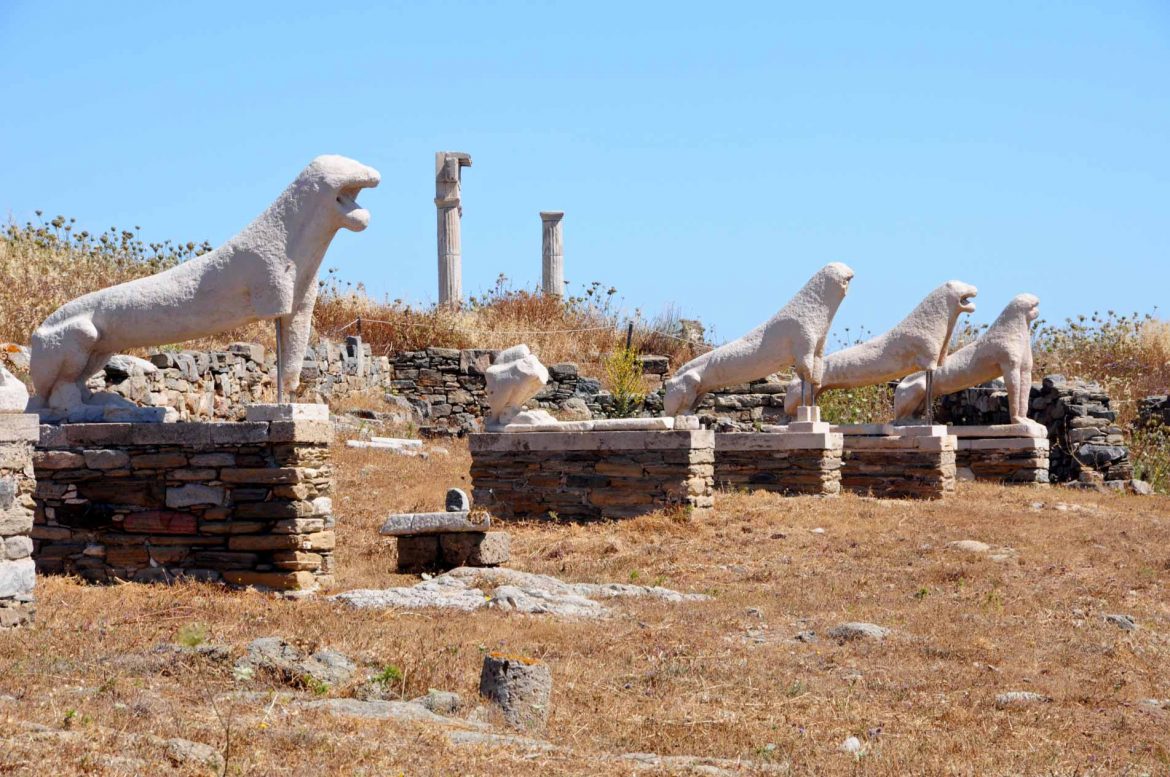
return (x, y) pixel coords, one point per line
(520, 687)
(552, 252)
(449, 202)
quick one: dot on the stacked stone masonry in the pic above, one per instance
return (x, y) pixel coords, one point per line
(1082, 427)
(1013, 460)
(899, 467)
(246, 503)
(781, 463)
(592, 475)
(18, 434)
(441, 391)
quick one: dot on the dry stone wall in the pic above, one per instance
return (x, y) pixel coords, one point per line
(246, 503)
(18, 433)
(1082, 427)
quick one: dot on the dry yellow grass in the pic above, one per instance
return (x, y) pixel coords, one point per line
(710, 679)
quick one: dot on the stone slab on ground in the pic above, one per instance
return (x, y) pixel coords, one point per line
(509, 590)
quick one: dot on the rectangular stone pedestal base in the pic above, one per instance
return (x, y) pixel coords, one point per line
(246, 503)
(784, 462)
(899, 466)
(592, 475)
(1022, 460)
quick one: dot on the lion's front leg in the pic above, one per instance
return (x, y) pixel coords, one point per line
(295, 332)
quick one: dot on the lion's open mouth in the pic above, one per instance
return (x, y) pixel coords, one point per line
(353, 215)
(965, 303)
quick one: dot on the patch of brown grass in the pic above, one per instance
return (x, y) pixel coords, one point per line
(710, 678)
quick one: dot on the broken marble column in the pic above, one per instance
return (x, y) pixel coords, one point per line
(520, 687)
(449, 202)
(18, 433)
(552, 250)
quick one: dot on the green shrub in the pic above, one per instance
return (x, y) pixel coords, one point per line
(623, 376)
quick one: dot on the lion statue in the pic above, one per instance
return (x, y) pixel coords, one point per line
(267, 271)
(515, 377)
(919, 342)
(1004, 349)
(793, 337)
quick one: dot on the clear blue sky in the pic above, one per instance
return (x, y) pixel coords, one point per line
(710, 155)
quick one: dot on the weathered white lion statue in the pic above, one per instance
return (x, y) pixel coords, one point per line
(919, 342)
(793, 337)
(267, 271)
(1004, 349)
(513, 379)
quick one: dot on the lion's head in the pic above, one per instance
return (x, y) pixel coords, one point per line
(839, 275)
(341, 179)
(959, 294)
(1028, 304)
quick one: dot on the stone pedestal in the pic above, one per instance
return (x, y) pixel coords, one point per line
(900, 462)
(592, 475)
(246, 503)
(18, 433)
(552, 244)
(781, 462)
(1002, 453)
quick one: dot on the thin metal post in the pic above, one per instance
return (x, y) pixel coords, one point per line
(929, 397)
(279, 363)
(629, 335)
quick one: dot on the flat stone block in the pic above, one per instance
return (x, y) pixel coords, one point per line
(159, 522)
(245, 433)
(276, 581)
(19, 427)
(288, 411)
(783, 441)
(195, 494)
(488, 549)
(900, 443)
(190, 435)
(1004, 444)
(591, 441)
(301, 431)
(17, 578)
(999, 430)
(406, 524)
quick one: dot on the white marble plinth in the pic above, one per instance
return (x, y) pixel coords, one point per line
(287, 411)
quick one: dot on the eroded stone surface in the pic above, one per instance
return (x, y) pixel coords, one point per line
(510, 590)
(247, 279)
(514, 378)
(794, 337)
(1005, 349)
(918, 342)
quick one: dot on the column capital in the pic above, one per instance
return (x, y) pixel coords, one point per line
(552, 215)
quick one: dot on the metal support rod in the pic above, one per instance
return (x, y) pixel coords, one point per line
(279, 362)
(629, 335)
(929, 397)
